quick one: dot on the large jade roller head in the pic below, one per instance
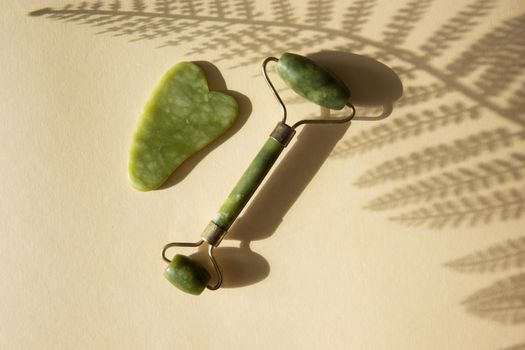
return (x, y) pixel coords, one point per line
(312, 81)
(315, 84)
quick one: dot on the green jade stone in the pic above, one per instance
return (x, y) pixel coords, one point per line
(248, 183)
(181, 117)
(312, 81)
(187, 275)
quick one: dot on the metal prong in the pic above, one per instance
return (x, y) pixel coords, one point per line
(283, 107)
(178, 244)
(328, 120)
(217, 270)
(269, 82)
(213, 234)
(283, 133)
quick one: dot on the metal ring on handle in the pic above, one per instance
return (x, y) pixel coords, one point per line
(217, 270)
(283, 107)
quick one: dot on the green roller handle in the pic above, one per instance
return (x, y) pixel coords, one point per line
(248, 183)
(190, 276)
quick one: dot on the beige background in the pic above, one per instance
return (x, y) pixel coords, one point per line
(80, 250)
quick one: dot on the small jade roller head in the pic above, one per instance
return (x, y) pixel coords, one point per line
(187, 274)
(311, 81)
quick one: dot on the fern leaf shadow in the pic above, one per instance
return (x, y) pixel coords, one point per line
(318, 12)
(236, 29)
(500, 257)
(499, 53)
(476, 210)
(460, 181)
(440, 156)
(409, 125)
(404, 21)
(469, 195)
(503, 302)
(456, 28)
(357, 15)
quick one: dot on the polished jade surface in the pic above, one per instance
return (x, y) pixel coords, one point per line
(187, 274)
(181, 117)
(312, 81)
(248, 183)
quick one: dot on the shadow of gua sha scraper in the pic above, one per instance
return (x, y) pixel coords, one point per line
(181, 117)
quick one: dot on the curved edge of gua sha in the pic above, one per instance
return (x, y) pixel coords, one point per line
(181, 117)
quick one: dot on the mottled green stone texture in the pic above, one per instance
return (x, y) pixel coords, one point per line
(181, 117)
(187, 275)
(312, 81)
(248, 183)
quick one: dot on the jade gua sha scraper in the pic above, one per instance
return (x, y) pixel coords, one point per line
(312, 82)
(181, 117)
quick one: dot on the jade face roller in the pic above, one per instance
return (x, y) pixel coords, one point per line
(312, 82)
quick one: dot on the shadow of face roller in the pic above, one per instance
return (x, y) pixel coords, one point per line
(239, 266)
(371, 83)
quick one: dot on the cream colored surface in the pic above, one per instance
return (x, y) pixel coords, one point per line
(80, 250)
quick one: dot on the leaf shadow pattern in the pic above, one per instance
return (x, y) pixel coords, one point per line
(468, 195)
(499, 53)
(500, 257)
(517, 101)
(357, 15)
(457, 182)
(318, 12)
(503, 302)
(404, 21)
(239, 29)
(503, 205)
(440, 156)
(283, 11)
(402, 128)
(502, 65)
(456, 28)
(421, 93)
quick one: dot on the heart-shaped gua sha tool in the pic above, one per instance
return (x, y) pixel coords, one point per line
(181, 118)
